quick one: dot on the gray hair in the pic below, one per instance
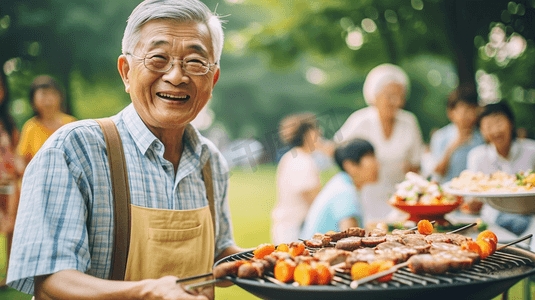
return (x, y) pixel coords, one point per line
(379, 77)
(180, 10)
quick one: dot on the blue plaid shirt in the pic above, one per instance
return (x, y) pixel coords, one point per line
(65, 217)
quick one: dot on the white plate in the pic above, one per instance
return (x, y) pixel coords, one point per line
(489, 194)
(513, 202)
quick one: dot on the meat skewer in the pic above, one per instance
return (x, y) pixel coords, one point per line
(355, 283)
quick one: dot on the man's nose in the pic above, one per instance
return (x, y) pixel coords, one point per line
(176, 74)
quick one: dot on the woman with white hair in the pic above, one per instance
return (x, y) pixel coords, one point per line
(393, 132)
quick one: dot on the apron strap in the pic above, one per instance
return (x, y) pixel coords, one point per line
(209, 185)
(121, 197)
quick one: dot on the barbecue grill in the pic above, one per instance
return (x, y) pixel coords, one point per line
(486, 279)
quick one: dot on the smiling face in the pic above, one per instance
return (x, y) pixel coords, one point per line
(498, 130)
(173, 99)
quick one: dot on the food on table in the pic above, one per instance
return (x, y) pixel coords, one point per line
(425, 227)
(498, 182)
(416, 190)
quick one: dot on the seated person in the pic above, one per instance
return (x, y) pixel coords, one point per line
(450, 144)
(337, 207)
(503, 152)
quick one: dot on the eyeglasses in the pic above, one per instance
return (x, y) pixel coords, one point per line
(163, 62)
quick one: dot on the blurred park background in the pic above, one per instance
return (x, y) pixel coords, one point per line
(282, 57)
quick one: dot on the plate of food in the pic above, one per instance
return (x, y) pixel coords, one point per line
(424, 199)
(513, 193)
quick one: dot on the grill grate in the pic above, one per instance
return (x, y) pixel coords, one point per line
(482, 271)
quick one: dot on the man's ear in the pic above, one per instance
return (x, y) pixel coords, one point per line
(124, 68)
(216, 77)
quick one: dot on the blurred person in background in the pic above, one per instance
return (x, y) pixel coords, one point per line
(503, 152)
(394, 134)
(63, 246)
(298, 176)
(450, 144)
(46, 98)
(11, 168)
(338, 205)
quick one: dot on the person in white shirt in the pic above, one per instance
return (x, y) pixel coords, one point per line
(394, 134)
(503, 152)
(298, 176)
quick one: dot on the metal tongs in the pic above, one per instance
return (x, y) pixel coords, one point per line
(199, 284)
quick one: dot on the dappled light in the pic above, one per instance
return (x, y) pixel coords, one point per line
(355, 39)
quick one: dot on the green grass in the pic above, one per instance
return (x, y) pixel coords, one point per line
(252, 197)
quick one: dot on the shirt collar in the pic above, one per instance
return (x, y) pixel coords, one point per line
(144, 138)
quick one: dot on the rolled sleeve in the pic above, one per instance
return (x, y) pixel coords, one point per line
(50, 232)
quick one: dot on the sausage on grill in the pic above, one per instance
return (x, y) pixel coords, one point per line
(349, 243)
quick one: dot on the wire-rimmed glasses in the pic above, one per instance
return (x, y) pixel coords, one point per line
(163, 62)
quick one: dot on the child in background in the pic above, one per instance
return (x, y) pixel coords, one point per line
(46, 99)
(450, 144)
(338, 206)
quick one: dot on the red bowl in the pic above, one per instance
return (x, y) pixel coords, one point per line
(435, 213)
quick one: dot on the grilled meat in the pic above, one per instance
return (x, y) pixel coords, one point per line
(377, 232)
(438, 237)
(349, 243)
(373, 241)
(394, 238)
(355, 231)
(336, 236)
(402, 232)
(332, 256)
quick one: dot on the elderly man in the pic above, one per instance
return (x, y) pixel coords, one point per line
(64, 233)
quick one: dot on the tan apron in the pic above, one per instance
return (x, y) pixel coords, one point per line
(160, 241)
(170, 242)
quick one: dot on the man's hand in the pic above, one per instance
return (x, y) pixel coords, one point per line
(72, 285)
(166, 288)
